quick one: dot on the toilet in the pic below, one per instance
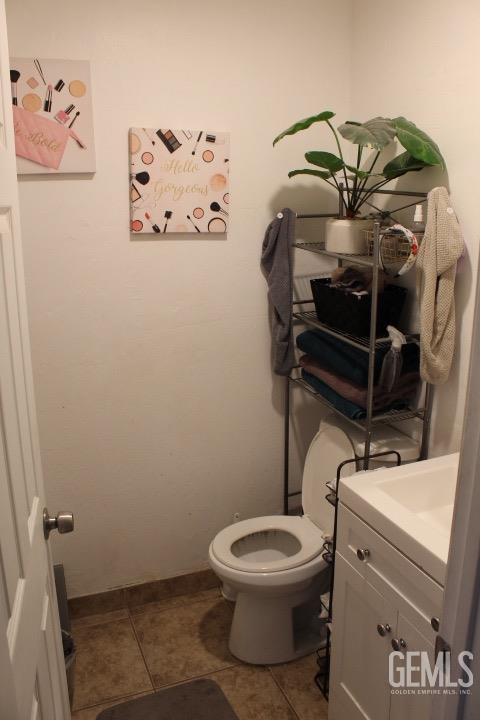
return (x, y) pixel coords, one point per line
(273, 567)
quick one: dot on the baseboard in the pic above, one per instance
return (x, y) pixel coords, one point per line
(133, 595)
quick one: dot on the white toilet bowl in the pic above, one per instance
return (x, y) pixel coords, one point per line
(273, 565)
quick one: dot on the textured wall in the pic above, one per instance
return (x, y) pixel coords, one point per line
(158, 414)
(420, 65)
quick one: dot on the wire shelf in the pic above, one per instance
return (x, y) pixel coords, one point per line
(319, 248)
(384, 417)
(309, 317)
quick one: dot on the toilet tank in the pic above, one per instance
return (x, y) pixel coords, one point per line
(336, 441)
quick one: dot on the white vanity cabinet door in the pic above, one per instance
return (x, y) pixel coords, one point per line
(377, 586)
(418, 706)
(359, 687)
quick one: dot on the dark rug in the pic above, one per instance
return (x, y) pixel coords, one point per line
(196, 700)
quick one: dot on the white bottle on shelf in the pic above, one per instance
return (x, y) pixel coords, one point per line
(418, 227)
(393, 361)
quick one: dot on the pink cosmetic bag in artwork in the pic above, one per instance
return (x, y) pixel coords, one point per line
(39, 139)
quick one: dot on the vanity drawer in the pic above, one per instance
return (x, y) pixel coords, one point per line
(384, 563)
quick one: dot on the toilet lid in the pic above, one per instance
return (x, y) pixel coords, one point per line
(330, 446)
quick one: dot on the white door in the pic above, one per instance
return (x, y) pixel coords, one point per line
(32, 672)
(460, 621)
(359, 686)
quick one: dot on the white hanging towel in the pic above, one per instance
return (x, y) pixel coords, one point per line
(439, 252)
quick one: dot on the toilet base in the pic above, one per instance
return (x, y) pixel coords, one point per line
(268, 630)
(229, 592)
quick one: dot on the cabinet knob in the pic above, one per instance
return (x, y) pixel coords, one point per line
(363, 554)
(435, 623)
(399, 644)
(383, 629)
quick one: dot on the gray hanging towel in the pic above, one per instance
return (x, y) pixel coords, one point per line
(276, 264)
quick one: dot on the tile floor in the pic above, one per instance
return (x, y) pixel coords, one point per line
(129, 652)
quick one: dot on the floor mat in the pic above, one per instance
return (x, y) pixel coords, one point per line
(196, 700)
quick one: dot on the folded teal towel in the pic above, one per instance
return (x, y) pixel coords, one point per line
(347, 408)
(348, 361)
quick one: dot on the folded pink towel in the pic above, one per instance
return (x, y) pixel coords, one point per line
(404, 389)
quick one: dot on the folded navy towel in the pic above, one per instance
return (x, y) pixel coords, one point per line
(349, 361)
(346, 407)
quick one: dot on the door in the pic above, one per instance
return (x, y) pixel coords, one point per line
(32, 672)
(417, 706)
(359, 686)
(460, 621)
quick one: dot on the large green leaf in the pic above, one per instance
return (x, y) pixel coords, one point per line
(403, 164)
(376, 133)
(304, 124)
(417, 142)
(362, 174)
(332, 162)
(306, 171)
(326, 160)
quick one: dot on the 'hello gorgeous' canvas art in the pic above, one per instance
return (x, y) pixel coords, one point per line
(178, 181)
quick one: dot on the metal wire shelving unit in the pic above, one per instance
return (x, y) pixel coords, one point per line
(369, 345)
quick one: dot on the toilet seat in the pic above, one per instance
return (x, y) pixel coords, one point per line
(305, 543)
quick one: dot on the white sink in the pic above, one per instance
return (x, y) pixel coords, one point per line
(411, 506)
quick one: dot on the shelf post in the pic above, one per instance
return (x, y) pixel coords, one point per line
(427, 416)
(372, 343)
(286, 448)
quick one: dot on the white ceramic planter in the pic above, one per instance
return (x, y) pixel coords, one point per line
(346, 235)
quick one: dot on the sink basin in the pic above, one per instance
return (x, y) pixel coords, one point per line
(411, 506)
(427, 496)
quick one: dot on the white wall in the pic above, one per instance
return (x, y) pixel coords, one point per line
(158, 414)
(420, 59)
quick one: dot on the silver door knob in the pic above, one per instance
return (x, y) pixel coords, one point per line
(63, 522)
(399, 644)
(383, 629)
(363, 554)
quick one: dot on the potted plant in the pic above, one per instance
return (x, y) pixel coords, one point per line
(360, 183)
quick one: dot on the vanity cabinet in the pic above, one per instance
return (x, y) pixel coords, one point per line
(380, 596)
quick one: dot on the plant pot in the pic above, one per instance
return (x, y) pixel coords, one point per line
(347, 235)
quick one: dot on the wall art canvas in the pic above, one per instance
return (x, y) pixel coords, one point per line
(178, 181)
(52, 116)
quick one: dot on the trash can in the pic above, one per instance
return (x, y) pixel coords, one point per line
(70, 655)
(69, 650)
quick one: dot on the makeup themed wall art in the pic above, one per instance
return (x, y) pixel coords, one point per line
(52, 116)
(178, 181)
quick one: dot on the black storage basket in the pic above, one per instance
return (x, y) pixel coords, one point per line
(351, 313)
